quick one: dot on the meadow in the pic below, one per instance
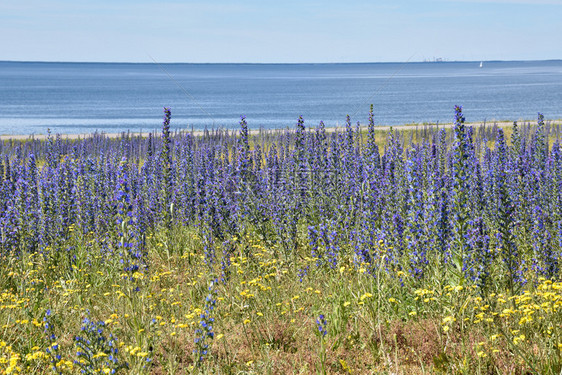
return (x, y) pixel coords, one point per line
(300, 251)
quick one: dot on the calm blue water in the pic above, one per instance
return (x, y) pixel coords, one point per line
(84, 97)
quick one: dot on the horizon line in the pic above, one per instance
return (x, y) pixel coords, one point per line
(270, 63)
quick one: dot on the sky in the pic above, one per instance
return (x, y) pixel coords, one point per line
(281, 31)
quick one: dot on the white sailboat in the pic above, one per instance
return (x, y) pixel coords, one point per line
(480, 63)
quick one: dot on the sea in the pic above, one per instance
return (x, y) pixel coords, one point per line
(115, 97)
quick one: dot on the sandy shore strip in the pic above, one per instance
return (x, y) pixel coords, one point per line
(26, 137)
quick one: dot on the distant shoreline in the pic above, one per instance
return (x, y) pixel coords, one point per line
(272, 63)
(26, 137)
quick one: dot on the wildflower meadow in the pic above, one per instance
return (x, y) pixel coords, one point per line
(307, 250)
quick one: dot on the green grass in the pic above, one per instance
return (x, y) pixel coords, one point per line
(265, 318)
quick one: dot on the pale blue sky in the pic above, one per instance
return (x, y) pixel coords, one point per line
(279, 31)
